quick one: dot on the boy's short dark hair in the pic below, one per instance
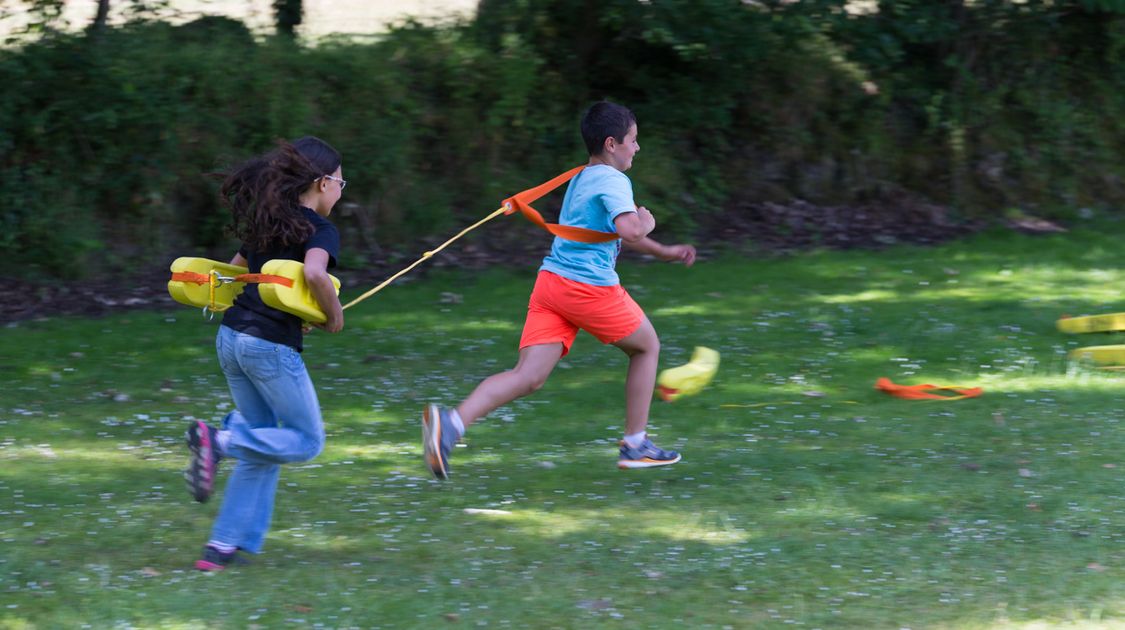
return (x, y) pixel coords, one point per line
(603, 120)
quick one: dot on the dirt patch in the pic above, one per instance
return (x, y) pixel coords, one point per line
(23, 300)
(799, 225)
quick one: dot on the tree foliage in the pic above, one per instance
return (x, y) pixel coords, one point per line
(288, 15)
(983, 106)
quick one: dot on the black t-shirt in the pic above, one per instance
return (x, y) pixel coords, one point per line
(250, 315)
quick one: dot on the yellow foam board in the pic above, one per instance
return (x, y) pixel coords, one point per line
(297, 299)
(199, 295)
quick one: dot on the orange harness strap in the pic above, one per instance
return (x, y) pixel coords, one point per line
(264, 278)
(260, 278)
(190, 276)
(925, 392)
(522, 202)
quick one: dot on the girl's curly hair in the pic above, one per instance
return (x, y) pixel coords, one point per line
(263, 193)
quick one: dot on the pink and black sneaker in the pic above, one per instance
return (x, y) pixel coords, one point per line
(215, 560)
(204, 462)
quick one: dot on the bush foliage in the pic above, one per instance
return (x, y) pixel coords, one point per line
(107, 138)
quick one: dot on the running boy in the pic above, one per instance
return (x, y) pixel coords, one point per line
(578, 288)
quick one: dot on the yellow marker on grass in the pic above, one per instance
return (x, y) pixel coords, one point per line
(690, 378)
(1100, 355)
(1092, 323)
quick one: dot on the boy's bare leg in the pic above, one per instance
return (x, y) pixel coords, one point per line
(637, 451)
(531, 371)
(643, 348)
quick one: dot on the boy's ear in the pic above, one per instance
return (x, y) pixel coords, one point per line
(609, 144)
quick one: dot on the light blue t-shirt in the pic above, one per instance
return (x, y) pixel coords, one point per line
(594, 198)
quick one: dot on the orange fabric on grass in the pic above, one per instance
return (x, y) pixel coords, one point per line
(926, 391)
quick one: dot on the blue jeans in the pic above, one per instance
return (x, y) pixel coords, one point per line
(276, 421)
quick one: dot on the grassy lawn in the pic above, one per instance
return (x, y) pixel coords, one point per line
(805, 497)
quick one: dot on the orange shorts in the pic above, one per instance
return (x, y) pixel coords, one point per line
(559, 307)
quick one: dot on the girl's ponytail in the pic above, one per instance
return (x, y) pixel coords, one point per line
(263, 193)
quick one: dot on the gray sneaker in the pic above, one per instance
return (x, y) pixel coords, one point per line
(438, 438)
(647, 455)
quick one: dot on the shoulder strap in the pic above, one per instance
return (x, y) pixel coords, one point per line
(522, 202)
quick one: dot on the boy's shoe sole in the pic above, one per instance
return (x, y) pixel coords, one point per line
(431, 442)
(625, 464)
(200, 473)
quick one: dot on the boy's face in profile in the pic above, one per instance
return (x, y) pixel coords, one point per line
(619, 155)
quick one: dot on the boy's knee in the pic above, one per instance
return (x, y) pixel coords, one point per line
(649, 347)
(530, 381)
(534, 384)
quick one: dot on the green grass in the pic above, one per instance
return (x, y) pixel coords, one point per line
(804, 498)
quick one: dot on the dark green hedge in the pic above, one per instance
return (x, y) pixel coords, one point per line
(986, 106)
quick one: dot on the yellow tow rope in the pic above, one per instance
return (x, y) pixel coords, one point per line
(381, 285)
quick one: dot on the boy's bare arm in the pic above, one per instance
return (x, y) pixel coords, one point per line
(634, 229)
(672, 253)
(634, 226)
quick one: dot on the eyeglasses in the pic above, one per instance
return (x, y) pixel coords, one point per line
(343, 183)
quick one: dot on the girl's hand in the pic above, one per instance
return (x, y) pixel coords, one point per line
(328, 326)
(333, 325)
(681, 253)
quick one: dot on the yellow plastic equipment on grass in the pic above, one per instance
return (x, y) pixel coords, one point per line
(1092, 323)
(213, 286)
(1105, 356)
(689, 378)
